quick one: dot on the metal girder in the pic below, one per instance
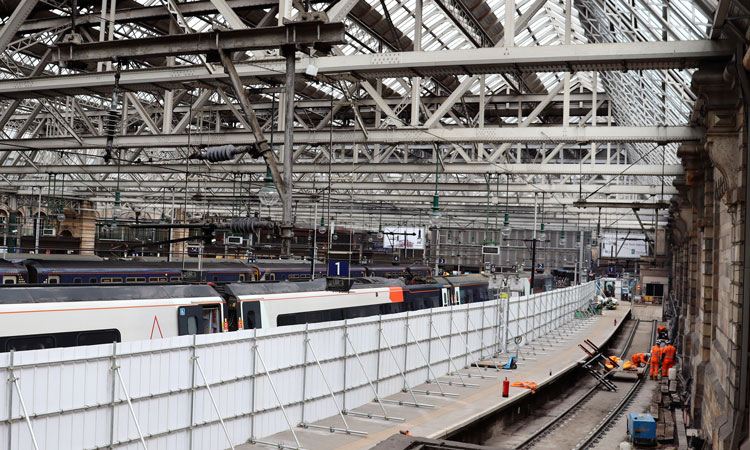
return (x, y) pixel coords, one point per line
(144, 13)
(302, 33)
(720, 17)
(10, 28)
(478, 187)
(340, 10)
(583, 57)
(384, 168)
(229, 15)
(325, 105)
(618, 204)
(571, 135)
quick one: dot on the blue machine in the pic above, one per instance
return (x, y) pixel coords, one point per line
(511, 364)
(642, 428)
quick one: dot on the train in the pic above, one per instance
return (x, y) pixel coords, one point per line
(44, 316)
(63, 271)
(521, 283)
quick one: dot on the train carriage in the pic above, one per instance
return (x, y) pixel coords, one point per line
(66, 316)
(112, 272)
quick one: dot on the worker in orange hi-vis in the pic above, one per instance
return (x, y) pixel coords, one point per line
(667, 359)
(639, 359)
(655, 361)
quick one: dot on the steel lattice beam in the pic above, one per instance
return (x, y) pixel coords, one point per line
(348, 168)
(570, 135)
(561, 58)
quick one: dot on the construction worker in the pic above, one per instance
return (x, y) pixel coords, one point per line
(667, 359)
(662, 333)
(639, 359)
(655, 361)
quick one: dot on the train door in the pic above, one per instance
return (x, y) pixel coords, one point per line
(445, 296)
(250, 312)
(212, 319)
(456, 295)
(189, 320)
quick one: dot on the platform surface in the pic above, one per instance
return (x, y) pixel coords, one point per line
(546, 359)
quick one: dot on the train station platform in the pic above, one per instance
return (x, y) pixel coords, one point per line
(543, 361)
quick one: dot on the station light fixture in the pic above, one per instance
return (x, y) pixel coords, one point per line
(435, 215)
(268, 194)
(117, 209)
(506, 229)
(322, 226)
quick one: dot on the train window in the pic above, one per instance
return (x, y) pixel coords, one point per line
(92, 280)
(242, 277)
(53, 279)
(216, 278)
(271, 276)
(175, 279)
(98, 337)
(77, 281)
(30, 343)
(9, 279)
(157, 279)
(135, 279)
(655, 290)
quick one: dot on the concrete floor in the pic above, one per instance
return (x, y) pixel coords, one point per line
(647, 312)
(451, 414)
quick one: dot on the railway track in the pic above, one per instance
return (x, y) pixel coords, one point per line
(603, 426)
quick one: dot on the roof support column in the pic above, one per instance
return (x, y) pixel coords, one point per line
(416, 81)
(287, 228)
(510, 23)
(566, 77)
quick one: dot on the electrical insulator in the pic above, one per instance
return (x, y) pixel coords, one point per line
(221, 153)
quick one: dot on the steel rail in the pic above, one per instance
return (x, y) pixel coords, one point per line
(529, 442)
(604, 425)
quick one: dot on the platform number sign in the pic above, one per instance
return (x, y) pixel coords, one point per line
(338, 268)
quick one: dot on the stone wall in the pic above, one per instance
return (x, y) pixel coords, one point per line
(708, 244)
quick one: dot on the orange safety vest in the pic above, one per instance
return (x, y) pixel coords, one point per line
(655, 355)
(668, 353)
(638, 358)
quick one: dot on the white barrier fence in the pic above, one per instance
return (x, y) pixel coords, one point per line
(217, 391)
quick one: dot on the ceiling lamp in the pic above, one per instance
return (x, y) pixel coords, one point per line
(117, 209)
(268, 194)
(435, 215)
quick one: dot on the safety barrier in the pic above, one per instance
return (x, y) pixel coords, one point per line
(218, 391)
